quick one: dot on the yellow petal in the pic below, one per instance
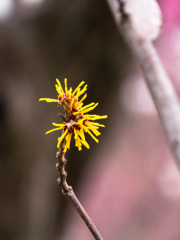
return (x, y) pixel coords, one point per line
(68, 140)
(81, 92)
(85, 144)
(78, 87)
(61, 138)
(76, 113)
(65, 84)
(75, 134)
(87, 106)
(49, 100)
(59, 84)
(94, 117)
(93, 136)
(72, 103)
(94, 130)
(80, 105)
(96, 124)
(68, 94)
(58, 124)
(81, 134)
(89, 109)
(58, 89)
(82, 99)
(78, 143)
(90, 115)
(80, 122)
(85, 128)
(54, 129)
(65, 149)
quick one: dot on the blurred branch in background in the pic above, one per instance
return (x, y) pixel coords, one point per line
(135, 22)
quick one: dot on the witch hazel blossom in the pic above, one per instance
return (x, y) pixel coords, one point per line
(68, 95)
(79, 122)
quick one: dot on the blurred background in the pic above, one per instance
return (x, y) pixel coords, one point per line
(128, 182)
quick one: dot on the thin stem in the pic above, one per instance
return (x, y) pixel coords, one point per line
(69, 193)
(79, 208)
(60, 166)
(159, 84)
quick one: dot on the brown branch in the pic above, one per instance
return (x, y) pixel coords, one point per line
(62, 116)
(159, 84)
(69, 193)
(60, 166)
(75, 202)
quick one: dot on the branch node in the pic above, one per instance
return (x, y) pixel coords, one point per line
(124, 14)
(59, 181)
(57, 154)
(66, 192)
(57, 166)
(62, 116)
(64, 160)
(64, 174)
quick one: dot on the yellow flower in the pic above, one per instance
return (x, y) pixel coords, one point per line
(67, 95)
(79, 121)
(77, 128)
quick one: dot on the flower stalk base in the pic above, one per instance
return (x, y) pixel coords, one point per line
(69, 193)
(77, 121)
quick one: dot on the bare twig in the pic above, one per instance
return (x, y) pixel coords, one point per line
(159, 84)
(69, 193)
(75, 202)
(62, 116)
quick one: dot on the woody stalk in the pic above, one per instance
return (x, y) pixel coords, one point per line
(76, 122)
